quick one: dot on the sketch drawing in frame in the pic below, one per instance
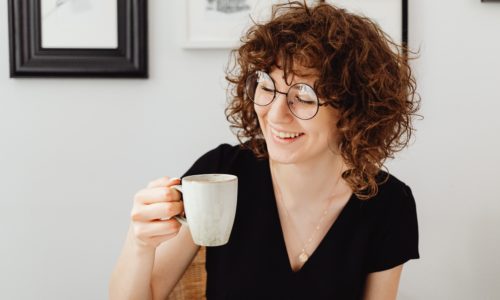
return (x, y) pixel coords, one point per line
(87, 24)
(220, 23)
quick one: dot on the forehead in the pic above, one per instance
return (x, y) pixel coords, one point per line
(298, 74)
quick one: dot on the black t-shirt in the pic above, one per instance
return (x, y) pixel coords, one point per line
(368, 236)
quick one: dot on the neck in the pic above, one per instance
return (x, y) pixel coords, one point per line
(309, 183)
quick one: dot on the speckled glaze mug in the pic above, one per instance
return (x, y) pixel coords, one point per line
(210, 207)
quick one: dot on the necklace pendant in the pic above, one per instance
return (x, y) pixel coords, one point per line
(303, 257)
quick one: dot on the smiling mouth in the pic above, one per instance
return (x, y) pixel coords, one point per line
(286, 135)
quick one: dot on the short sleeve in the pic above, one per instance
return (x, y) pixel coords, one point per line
(396, 239)
(211, 162)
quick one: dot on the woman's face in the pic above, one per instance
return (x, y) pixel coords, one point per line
(317, 135)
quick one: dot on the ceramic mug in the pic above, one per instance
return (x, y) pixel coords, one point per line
(210, 207)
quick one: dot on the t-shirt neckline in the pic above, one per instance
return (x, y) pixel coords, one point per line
(281, 239)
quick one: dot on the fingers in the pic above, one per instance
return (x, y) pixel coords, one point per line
(153, 209)
(145, 230)
(158, 194)
(164, 182)
(161, 238)
(156, 211)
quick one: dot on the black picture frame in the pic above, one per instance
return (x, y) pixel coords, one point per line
(404, 21)
(29, 59)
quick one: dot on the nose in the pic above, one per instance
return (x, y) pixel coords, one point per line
(279, 110)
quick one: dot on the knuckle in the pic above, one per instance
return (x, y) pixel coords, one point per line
(167, 194)
(138, 195)
(135, 215)
(170, 209)
(175, 195)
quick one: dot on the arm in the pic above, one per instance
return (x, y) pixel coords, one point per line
(157, 249)
(383, 285)
(132, 274)
(143, 273)
(172, 259)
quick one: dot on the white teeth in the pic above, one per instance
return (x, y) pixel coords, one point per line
(284, 135)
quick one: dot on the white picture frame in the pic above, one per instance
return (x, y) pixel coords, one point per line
(210, 26)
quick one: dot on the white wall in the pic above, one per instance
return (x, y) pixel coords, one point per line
(454, 164)
(74, 151)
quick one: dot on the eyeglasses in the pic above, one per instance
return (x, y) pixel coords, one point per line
(300, 97)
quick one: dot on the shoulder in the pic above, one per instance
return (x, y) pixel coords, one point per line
(391, 186)
(220, 159)
(394, 196)
(392, 217)
(226, 153)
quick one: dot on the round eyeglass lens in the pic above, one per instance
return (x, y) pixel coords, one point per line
(302, 101)
(260, 88)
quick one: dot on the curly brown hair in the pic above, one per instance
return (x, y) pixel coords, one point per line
(362, 73)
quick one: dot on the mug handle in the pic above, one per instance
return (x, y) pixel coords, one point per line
(182, 220)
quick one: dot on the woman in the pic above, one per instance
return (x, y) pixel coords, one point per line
(321, 98)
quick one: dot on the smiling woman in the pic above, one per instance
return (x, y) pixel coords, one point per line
(320, 98)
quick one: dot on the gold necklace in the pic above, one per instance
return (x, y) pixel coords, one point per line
(304, 256)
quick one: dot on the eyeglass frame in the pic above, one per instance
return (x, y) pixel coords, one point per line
(286, 96)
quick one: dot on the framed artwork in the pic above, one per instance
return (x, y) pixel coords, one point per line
(78, 38)
(220, 23)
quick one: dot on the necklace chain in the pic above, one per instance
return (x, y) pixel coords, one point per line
(304, 256)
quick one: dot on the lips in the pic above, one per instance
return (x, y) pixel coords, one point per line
(285, 134)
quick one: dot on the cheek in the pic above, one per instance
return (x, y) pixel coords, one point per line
(330, 117)
(260, 111)
(260, 117)
(324, 128)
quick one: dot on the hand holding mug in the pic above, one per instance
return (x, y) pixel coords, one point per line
(153, 211)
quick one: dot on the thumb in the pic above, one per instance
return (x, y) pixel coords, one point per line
(174, 181)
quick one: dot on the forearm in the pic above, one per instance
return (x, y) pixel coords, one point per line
(131, 278)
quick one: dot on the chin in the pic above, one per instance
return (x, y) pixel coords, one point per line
(282, 157)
